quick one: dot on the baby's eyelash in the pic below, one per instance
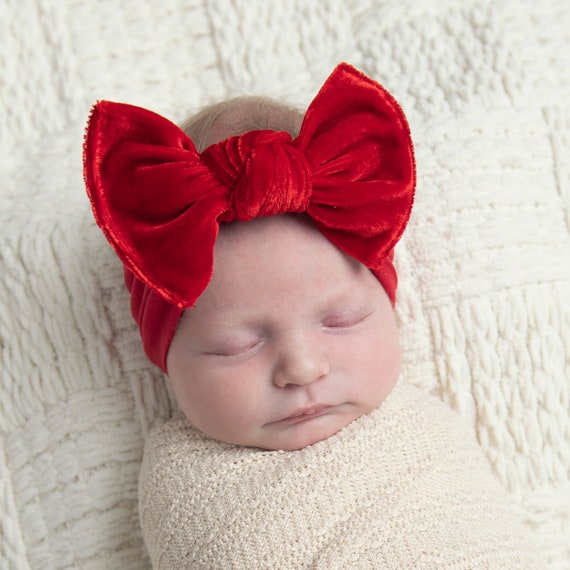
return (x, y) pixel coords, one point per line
(345, 322)
(238, 351)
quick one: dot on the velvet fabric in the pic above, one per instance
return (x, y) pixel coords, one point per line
(160, 203)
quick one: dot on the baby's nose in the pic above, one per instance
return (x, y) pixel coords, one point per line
(300, 361)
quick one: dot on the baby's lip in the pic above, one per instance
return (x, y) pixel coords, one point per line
(306, 413)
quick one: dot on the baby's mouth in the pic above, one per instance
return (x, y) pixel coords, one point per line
(308, 413)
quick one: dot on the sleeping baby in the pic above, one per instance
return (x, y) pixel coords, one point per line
(258, 252)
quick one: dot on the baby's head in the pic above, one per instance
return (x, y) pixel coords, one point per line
(290, 333)
(291, 340)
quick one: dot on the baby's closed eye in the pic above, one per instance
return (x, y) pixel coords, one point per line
(234, 347)
(344, 320)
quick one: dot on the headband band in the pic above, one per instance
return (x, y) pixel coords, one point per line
(160, 203)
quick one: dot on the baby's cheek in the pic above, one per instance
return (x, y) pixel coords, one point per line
(392, 361)
(217, 404)
(383, 364)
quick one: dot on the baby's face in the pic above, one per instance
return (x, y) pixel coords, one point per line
(291, 341)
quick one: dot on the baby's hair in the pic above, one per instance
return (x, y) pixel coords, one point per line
(239, 115)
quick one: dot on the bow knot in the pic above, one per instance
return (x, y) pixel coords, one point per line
(266, 175)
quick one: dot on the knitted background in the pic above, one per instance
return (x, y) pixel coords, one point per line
(484, 267)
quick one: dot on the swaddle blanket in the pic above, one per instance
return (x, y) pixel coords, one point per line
(403, 487)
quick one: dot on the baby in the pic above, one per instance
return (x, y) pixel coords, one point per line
(258, 254)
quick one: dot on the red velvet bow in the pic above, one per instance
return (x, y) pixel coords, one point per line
(160, 202)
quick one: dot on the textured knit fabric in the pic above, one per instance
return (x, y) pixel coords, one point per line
(484, 265)
(404, 487)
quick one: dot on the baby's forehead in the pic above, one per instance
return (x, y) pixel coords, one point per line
(281, 245)
(268, 231)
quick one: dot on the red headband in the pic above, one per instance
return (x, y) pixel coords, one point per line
(160, 203)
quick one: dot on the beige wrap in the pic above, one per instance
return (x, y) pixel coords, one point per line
(403, 487)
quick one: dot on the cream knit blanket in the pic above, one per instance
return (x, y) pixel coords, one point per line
(404, 487)
(484, 266)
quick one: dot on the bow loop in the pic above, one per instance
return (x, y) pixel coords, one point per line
(357, 140)
(265, 173)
